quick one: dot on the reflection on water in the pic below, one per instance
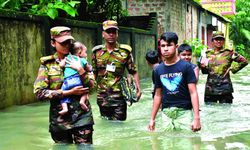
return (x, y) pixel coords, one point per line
(223, 126)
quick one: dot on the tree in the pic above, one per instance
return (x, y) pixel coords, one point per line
(50, 8)
(90, 10)
(239, 29)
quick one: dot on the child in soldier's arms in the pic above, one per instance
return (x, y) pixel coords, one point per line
(71, 76)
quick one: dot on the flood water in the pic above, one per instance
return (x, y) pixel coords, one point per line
(223, 126)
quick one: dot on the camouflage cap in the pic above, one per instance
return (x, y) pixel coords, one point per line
(218, 34)
(61, 33)
(108, 24)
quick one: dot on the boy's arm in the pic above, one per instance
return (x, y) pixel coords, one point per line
(195, 126)
(155, 108)
(196, 72)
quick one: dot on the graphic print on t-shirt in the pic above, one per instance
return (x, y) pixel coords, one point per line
(171, 81)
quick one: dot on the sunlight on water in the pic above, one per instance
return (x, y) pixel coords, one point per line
(223, 126)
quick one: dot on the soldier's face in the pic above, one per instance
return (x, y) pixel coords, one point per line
(62, 48)
(110, 35)
(218, 42)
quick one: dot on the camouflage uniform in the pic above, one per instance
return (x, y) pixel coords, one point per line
(48, 86)
(108, 88)
(219, 87)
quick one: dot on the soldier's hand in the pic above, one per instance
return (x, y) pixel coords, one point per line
(138, 93)
(75, 64)
(79, 90)
(227, 72)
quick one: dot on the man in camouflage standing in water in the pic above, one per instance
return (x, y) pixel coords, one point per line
(109, 62)
(218, 64)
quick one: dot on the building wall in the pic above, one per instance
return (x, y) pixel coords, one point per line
(171, 15)
(181, 16)
(144, 7)
(192, 14)
(195, 26)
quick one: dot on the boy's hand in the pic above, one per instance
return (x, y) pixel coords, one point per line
(151, 125)
(196, 126)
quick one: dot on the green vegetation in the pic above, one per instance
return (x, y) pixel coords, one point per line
(42, 7)
(196, 45)
(239, 29)
(91, 10)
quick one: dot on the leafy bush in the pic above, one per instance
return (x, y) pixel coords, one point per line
(51, 8)
(239, 29)
(196, 45)
(43, 7)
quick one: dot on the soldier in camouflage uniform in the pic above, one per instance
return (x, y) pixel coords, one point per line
(109, 62)
(218, 64)
(77, 124)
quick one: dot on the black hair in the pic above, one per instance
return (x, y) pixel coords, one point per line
(169, 37)
(152, 57)
(184, 47)
(76, 47)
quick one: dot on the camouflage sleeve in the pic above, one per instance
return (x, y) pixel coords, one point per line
(241, 62)
(41, 86)
(94, 64)
(89, 81)
(131, 67)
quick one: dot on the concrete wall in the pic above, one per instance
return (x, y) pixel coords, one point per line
(25, 38)
(21, 45)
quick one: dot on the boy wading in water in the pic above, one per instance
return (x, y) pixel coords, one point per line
(185, 53)
(152, 59)
(175, 84)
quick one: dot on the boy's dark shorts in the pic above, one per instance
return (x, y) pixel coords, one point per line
(78, 135)
(114, 112)
(227, 98)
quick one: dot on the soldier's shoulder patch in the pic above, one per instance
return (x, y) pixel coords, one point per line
(126, 47)
(46, 59)
(97, 48)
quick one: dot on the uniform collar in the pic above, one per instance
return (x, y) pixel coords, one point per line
(116, 47)
(220, 51)
(56, 58)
